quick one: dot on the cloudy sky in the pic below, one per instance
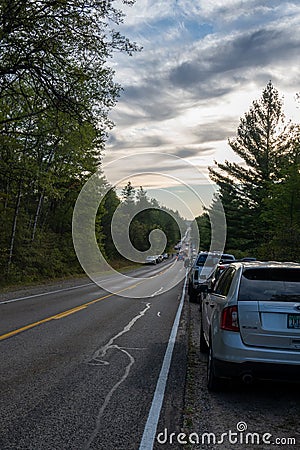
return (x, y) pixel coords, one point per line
(203, 63)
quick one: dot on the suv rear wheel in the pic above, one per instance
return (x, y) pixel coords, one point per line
(213, 382)
(193, 296)
(203, 344)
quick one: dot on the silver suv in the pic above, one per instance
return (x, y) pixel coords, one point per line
(250, 323)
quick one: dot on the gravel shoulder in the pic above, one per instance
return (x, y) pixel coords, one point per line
(263, 409)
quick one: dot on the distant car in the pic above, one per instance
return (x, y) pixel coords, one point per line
(187, 262)
(202, 268)
(227, 257)
(165, 255)
(150, 260)
(250, 323)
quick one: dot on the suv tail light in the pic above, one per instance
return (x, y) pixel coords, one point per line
(229, 319)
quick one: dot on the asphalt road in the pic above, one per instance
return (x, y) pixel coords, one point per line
(85, 368)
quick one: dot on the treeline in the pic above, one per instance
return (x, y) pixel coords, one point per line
(261, 193)
(148, 215)
(56, 91)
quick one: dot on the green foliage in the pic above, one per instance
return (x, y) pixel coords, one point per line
(148, 215)
(260, 196)
(282, 206)
(56, 91)
(53, 56)
(203, 223)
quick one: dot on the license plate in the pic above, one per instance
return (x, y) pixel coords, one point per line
(294, 321)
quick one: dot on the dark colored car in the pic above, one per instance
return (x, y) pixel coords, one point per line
(201, 270)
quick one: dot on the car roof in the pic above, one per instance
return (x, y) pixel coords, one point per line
(265, 264)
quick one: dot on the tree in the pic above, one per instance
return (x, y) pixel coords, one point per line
(203, 223)
(244, 186)
(58, 50)
(110, 204)
(56, 90)
(128, 193)
(147, 215)
(282, 206)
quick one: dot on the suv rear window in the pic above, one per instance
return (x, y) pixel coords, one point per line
(224, 283)
(201, 260)
(210, 260)
(270, 284)
(227, 257)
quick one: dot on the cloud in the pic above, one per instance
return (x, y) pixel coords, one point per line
(218, 60)
(151, 100)
(214, 131)
(134, 140)
(201, 67)
(241, 13)
(210, 69)
(192, 152)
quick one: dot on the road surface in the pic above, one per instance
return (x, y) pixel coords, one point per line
(85, 368)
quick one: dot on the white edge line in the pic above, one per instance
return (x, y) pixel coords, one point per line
(44, 293)
(149, 434)
(49, 293)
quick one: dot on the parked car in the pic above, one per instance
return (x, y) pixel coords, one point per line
(250, 323)
(215, 275)
(151, 260)
(202, 268)
(227, 257)
(219, 269)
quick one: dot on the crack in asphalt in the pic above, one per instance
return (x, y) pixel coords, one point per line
(98, 360)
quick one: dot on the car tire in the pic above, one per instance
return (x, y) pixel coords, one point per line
(213, 382)
(203, 343)
(193, 296)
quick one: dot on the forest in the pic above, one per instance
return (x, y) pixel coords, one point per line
(56, 91)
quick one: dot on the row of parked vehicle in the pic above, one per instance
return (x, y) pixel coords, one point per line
(155, 259)
(250, 318)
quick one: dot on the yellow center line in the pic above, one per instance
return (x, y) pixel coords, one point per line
(63, 314)
(70, 311)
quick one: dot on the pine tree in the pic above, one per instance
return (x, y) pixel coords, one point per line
(245, 185)
(282, 207)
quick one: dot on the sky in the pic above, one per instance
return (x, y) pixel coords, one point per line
(201, 66)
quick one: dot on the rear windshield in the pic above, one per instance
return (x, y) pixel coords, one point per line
(270, 284)
(210, 260)
(201, 260)
(227, 257)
